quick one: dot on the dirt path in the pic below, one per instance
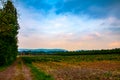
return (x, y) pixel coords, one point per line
(17, 71)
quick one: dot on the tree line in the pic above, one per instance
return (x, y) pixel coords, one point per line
(8, 33)
(90, 52)
(72, 53)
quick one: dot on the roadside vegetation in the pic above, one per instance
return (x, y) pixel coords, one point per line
(38, 74)
(3, 67)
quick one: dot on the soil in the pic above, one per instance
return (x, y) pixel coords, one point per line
(17, 71)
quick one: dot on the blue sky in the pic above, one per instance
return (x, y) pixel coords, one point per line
(69, 24)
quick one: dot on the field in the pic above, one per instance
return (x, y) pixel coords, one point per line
(77, 67)
(59, 67)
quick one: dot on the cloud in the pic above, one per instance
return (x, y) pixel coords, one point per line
(1, 5)
(114, 44)
(94, 9)
(40, 29)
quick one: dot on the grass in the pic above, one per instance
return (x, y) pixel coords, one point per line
(2, 68)
(38, 74)
(78, 58)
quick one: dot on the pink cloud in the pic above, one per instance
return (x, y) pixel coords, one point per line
(114, 44)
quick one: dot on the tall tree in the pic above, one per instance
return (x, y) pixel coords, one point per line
(8, 33)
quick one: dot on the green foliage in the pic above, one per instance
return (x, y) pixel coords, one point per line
(8, 33)
(38, 74)
(89, 52)
(74, 58)
(3, 67)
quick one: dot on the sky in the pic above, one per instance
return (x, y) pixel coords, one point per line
(69, 24)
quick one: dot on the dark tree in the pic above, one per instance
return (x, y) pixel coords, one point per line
(8, 33)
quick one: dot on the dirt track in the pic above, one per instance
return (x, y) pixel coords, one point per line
(17, 71)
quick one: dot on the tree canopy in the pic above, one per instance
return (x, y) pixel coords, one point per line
(8, 33)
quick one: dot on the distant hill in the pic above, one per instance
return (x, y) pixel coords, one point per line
(66, 52)
(41, 50)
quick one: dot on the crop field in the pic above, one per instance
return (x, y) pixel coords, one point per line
(77, 67)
